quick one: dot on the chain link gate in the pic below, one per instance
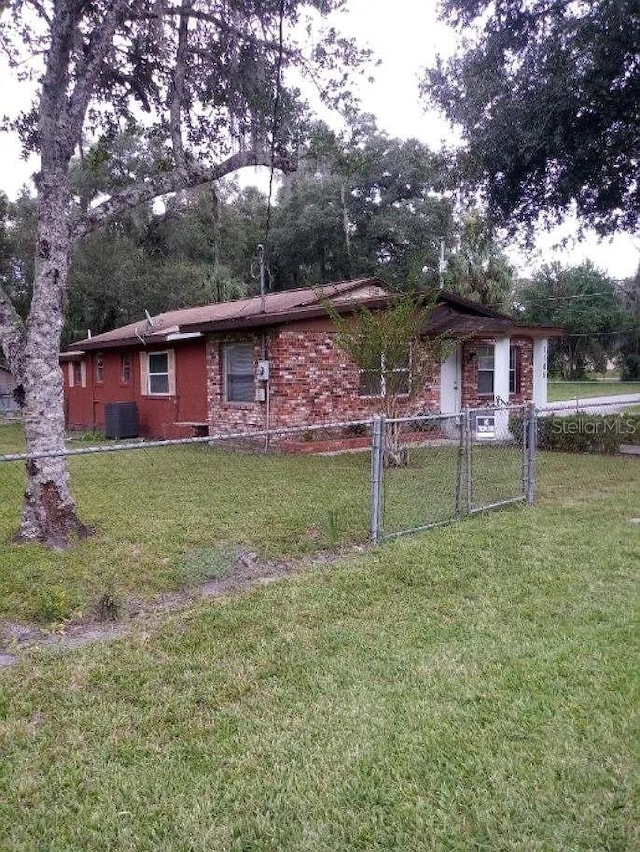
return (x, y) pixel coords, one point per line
(435, 469)
(500, 459)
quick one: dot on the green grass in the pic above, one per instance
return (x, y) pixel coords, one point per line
(470, 688)
(151, 508)
(559, 391)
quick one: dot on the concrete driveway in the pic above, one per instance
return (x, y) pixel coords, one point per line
(592, 405)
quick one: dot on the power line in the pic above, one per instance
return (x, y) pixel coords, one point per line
(600, 333)
(276, 106)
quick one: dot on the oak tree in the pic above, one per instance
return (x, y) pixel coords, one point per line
(546, 93)
(207, 84)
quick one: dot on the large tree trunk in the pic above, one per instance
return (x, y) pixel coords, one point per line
(49, 512)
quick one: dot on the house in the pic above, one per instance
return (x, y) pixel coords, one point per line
(8, 404)
(273, 361)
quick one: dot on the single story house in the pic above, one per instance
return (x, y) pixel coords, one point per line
(273, 360)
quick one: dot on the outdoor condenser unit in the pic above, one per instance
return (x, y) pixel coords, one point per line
(121, 420)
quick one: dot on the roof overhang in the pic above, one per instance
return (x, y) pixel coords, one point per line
(453, 316)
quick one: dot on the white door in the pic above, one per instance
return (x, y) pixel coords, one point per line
(451, 384)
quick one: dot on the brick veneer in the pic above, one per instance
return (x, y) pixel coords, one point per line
(470, 396)
(312, 381)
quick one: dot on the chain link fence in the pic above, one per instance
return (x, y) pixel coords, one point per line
(436, 469)
(307, 488)
(285, 492)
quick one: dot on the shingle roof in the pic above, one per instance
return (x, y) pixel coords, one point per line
(453, 314)
(239, 312)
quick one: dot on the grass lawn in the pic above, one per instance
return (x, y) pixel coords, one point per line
(558, 391)
(152, 508)
(470, 688)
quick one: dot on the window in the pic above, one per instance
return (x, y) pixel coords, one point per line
(371, 382)
(77, 375)
(486, 367)
(239, 373)
(99, 369)
(380, 381)
(125, 369)
(158, 373)
(514, 369)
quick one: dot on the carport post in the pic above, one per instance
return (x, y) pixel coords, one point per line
(377, 467)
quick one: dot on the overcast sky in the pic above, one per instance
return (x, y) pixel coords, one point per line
(405, 35)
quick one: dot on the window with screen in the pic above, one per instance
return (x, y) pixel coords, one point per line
(239, 372)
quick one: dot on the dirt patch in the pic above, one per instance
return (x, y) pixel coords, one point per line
(248, 570)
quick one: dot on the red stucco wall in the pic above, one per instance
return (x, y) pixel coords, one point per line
(159, 416)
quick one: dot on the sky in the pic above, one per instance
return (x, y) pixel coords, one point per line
(406, 36)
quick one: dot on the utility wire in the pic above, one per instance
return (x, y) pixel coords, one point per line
(276, 109)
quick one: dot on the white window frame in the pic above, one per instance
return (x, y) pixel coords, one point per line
(145, 381)
(227, 350)
(383, 381)
(166, 373)
(82, 383)
(479, 355)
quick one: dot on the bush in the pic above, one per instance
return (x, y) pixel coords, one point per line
(108, 606)
(630, 368)
(588, 433)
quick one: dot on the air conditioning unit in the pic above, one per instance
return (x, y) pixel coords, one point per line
(121, 420)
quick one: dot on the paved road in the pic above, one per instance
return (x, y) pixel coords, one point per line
(593, 405)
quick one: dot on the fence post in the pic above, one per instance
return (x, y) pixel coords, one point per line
(461, 468)
(531, 441)
(377, 467)
(466, 421)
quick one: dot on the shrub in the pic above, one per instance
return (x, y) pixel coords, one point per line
(588, 433)
(630, 368)
(108, 605)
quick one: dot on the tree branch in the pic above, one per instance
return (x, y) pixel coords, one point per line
(222, 25)
(86, 74)
(177, 93)
(173, 181)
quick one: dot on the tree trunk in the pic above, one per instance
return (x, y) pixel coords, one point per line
(49, 512)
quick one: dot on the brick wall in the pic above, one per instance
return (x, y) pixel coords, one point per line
(312, 381)
(470, 396)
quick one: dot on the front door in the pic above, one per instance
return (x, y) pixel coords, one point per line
(451, 383)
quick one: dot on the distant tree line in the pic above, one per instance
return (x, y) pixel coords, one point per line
(359, 204)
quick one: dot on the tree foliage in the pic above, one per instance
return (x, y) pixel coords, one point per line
(362, 203)
(546, 93)
(629, 353)
(584, 301)
(394, 356)
(477, 268)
